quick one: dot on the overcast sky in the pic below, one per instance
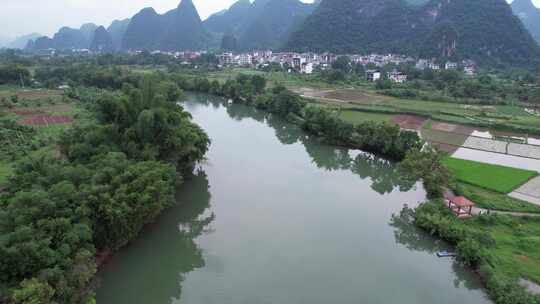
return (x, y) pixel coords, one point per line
(19, 17)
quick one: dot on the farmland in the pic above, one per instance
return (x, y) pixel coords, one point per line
(47, 112)
(492, 200)
(491, 177)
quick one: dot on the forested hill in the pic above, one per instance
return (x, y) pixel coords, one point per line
(66, 38)
(529, 14)
(177, 29)
(117, 29)
(485, 30)
(262, 24)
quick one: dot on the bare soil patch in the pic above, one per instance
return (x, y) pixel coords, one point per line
(351, 96)
(28, 112)
(454, 128)
(410, 122)
(43, 120)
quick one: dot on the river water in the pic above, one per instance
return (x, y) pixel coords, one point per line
(275, 217)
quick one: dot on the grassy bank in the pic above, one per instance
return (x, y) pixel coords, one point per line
(492, 177)
(493, 200)
(502, 249)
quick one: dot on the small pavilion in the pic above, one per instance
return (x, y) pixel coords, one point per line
(461, 206)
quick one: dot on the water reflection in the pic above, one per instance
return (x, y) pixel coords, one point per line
(149, 278)
(407, 234)
(384, 176)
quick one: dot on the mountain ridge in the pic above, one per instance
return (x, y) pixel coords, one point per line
(529, 15)
(484, 30)
(177, 29)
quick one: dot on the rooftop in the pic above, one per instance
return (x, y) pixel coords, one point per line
(461, 201)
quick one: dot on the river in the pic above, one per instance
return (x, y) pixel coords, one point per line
(275, 217)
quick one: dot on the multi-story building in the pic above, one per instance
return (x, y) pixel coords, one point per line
(450, 65)
(373, 75)
(397, 77)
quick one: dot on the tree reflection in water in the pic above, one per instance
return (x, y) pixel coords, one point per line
(407, 234)
(148, 279)
(383, 174)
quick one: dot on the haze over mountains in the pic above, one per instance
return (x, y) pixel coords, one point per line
(529, 14)
(479, 29)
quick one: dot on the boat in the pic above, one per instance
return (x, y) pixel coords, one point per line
(445, 254)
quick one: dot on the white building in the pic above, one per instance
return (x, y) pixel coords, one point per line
(450, 65)
(226, 59)
(373, 75)
(397, 77)
(245, 59)
(298, 62)
(434, 66)
(307, 68)
(469, 70)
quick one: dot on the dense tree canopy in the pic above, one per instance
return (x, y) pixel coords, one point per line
(115, 175)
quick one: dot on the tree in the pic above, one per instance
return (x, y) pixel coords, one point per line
(343, 64)
(34, 291)
(383, 84)
(427, 165)
(259, 83)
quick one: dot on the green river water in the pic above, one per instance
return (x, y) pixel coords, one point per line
(275, 217)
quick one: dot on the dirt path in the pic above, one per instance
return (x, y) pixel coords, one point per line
(529, 192)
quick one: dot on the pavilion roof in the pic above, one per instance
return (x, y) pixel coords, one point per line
(461, 201)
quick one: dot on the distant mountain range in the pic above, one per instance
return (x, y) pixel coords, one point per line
(19, 42)
(529, 14)
(66, 38)
(263, 24)
(177, 29)
(485, 30)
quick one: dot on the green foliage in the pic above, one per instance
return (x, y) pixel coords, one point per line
(492, 177)
(143, 125)
(34, 292)
(489, 243)
(333, 75)
(427, 164)
(15, 139)
(342, 63)
(383, 84)
(493, 200)
(13, 74)
(87, 75)
(380, 138)
(115, 175)
(281, 102)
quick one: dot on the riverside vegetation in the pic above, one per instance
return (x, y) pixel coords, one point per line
(118, 172)
(479, 244)
(111, 177)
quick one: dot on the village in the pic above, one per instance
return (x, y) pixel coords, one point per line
(308, 63)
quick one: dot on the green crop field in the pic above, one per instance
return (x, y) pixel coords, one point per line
(495, 201)
(492, 177)
(355, 117)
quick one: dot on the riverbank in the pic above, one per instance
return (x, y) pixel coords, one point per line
(502, 249)
(286, 206)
